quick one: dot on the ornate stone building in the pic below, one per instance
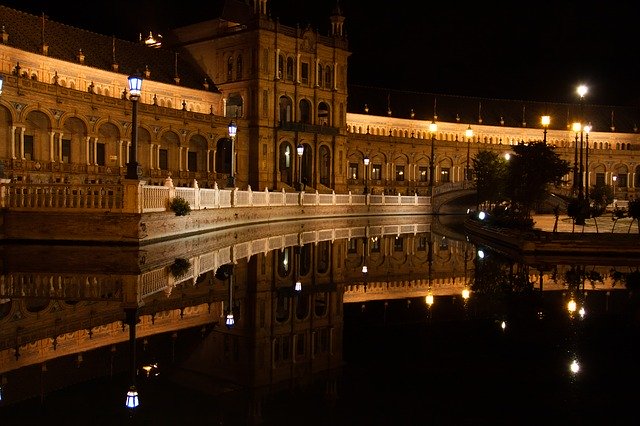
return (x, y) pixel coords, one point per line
(65, 115)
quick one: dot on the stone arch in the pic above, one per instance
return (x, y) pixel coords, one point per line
(305, 111)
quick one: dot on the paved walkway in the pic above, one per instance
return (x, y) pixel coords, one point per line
(604, 224)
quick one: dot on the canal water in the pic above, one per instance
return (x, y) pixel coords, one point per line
(349, 348)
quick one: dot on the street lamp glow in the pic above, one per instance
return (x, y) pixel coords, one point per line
(571, 306)
(582, 90)
(433, 127)
(576, 127)
(300, 149)
(366, 161)
(545, 120)
(365, 269)
(588, 128)
(574, 367)
(298, 286)
(132, 400)
(230, 321)
(466, 293)
(233, 129)
(135, 86)
(429, 299)
(469, 132)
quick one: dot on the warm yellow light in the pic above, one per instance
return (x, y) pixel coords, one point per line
(575, 367)
(571, 306)
(576, 127)
(587, 128)
(469, 132)
(545, 120)
(466, 293)
(582, 90)
(429, 299)
(433, 127)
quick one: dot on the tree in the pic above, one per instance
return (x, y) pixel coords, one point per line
(634, 212)
(491, 172)
(533, 167)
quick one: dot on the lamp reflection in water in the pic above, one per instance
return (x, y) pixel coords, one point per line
(230, 320)
(132, 400)
(298, 285)
(429, 297)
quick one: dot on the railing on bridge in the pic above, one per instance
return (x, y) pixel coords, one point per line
(137, 197)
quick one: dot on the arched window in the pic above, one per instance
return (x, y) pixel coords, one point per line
(319, 82)
(230, 68)
(285, 109)
(305, 111)
(239, 68)
(280, 66)
(327, 77)
(290, 69)
(285, 162)
(324, 163)
(323, 114)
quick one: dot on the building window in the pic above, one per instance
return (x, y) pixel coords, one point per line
(376, 172)
(280, 66)
(66, 151)
(352, 246)
(445, 175)
(398, 244)
(100, 154)
(327, 77)
(319, 82)
(375, 245)
(353, 170)
(192, 161)
(28, 147)
(621, 182)
(399, 173)
(163, 159)
(422, 243)
(290, 69)
(304, 71)
(600, 179)
(230, 68)
(423, 173)
(239, 68)
(305, 111)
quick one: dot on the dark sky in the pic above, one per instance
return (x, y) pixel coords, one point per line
(502, 50)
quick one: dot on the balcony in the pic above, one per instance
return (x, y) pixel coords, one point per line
(308, 128)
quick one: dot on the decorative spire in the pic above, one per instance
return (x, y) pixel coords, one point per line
(176, 77)
(337, 21)
(479, 112)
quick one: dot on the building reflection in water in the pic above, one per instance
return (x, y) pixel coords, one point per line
(260, 313)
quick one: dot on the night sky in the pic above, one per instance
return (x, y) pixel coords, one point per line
(509, 50)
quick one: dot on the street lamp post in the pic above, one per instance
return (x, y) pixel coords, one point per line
(135, 89)
(587, 129)
(582, 91)
(545, 120)
(233, 129)
(615, 179)
(576, 127)
(366, 174)
(300, 151)
(468, 134)
(433, 128)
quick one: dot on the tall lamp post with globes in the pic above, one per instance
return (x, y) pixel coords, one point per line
(468, 134)
(233, 130)
(433, 128)
(545, 120)
(300, 152)
(135, 90)
(582, 91)
(366, 174)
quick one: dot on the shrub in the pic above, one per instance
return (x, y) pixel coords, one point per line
(180, 206)
(179, 267)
